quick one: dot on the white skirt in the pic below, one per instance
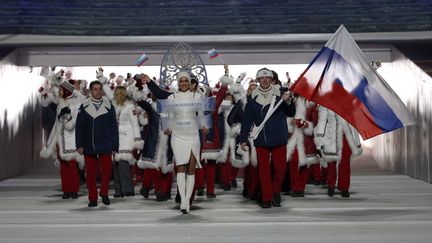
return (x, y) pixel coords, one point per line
(182, 146)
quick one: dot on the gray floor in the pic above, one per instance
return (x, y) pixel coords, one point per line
(383, 208)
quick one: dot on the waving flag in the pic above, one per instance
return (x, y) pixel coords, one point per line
(142, 59)
(341, 79)
(213, 53)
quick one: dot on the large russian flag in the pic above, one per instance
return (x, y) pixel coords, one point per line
(341, 79)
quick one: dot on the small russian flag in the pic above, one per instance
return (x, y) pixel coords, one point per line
(213, 53)
(142, 59)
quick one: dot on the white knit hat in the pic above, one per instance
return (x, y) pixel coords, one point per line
(67, 85)
(264, 72)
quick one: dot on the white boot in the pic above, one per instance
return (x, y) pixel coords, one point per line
(190, 183)
(181, 184)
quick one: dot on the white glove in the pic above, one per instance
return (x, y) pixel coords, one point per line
(57, 163)
(235, 130)
(323, 163)
(45, 153)
(57, 78)
(139, 144)
(226, 80)
(241, 77)
(100, 77)
(80, 160)
(99, 72)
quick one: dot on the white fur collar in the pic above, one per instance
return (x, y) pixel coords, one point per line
(91, 109)
(264, 97)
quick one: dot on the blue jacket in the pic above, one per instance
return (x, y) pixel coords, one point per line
(96, 130)
(275, 131)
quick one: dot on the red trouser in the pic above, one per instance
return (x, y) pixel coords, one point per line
(234, 172)
(278, 158)
(167, 180)
(210, 172)
(324, 174)
(344, 173)
(315, 172)
(226, 172)
(162, 182)
(93, 164)
(251, 180)
(148, 178)
(331, 174)
(199, 177)
(298, 175)
(69, 176)
(137, 174)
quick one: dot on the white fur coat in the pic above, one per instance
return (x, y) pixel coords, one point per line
(296, 141)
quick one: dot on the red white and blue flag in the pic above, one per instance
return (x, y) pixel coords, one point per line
(141, 60)
(213, 53)
(341, 79)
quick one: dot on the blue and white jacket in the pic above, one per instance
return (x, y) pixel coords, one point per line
(275, 131)
(96, 129)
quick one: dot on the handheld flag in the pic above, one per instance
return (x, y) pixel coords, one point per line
(213, 54)
(341, 79)
(141, 60)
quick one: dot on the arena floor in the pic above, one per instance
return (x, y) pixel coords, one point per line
(383, 208)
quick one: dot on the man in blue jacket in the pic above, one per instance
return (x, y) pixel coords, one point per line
(271, 141)
(97, 137)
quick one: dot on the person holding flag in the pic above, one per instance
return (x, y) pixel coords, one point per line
(341, 79)
(273, 137)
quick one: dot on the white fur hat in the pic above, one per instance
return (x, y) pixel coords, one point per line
(264, 72)
(119, 79)
(183, 74)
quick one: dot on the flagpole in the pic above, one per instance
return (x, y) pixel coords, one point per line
(220, 58)
(142, 71)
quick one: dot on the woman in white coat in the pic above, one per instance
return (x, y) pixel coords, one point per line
(129, 136)
(184, 128)
(129, 140)
(61, 142)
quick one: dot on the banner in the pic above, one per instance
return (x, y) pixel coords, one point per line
(186, 115)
